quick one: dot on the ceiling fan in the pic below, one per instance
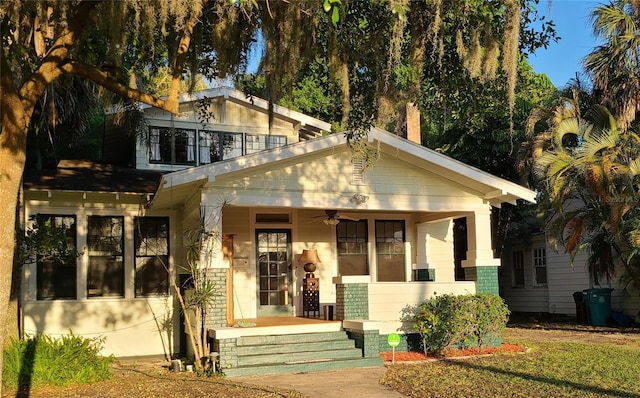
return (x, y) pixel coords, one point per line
(331, 217)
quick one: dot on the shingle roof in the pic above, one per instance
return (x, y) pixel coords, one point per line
(87, 176)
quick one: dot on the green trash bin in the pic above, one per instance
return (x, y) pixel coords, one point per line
(599, 305)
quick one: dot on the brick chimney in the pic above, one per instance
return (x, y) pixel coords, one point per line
(412, 115)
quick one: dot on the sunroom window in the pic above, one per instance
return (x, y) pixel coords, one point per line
(151, 256)
(56, 277)
(105, 246)
(174, 146)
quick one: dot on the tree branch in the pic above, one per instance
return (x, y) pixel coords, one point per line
(49, 70)
(181, 55)
(102, 79)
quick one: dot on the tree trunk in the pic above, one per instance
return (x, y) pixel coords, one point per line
(13, 143)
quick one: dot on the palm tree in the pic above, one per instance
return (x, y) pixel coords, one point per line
(614, 66)
(586, 167)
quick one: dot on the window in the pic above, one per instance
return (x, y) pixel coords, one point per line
(261, 142)
(175, 146)
(351, 239)
(390, 251)
(55, 276)
(216, 146)
(540, 266)
(151, 256)
(517, 269)
(105, 246)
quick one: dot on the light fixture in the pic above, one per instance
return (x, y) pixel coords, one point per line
(331, 221)
(358, 199)
(309, 258)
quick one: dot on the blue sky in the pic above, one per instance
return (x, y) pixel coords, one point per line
(561, 60)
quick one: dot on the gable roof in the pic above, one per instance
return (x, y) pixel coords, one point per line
(493, 189)
(310, 127)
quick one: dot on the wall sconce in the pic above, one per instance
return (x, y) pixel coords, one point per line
(309, 258)
(358, 199)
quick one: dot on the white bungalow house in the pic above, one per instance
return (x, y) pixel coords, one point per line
(383, 236)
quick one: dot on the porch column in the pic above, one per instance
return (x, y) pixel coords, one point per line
(212, 258)
(480, 266)
(421, 270)
(352, 297)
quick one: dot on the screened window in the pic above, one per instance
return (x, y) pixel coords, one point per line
(351, 239)
(151, 256)
(105, 246)
(540, 266)
(175, 146)
(517, 268)
(216, 146)
(390, 251)
(56, 276)
(261, 142)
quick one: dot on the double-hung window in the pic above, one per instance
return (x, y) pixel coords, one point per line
(151, 241)
(517, 269)
(105, 246)
(56, 274)
(390, 250)
(351, 239)
(540, 266)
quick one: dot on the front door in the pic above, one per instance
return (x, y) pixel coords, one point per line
(274, 272)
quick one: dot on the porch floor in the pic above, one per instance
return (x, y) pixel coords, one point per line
(275, 325)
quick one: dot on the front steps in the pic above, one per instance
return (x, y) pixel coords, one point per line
(298, 353)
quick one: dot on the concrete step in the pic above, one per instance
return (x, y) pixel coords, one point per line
(284, 348)
(282, 339)
(305, 356)
(318, 365)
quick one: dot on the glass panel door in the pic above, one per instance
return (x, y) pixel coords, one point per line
(274, 272)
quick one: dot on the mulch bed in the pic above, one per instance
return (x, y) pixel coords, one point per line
(413, 356)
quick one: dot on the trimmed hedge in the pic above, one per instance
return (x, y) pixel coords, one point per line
(460, 321)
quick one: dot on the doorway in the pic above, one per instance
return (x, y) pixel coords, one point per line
(273, 259)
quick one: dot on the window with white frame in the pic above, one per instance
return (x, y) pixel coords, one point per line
(390, 250)
(105, 247)
(351, 237)
(56, 277)
(517, 269)
(151, 241)
(540, 266)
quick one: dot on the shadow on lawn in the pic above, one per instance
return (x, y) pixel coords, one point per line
(546, 321)
(547, 380)
(26, 369)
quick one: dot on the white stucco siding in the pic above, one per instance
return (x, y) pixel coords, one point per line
(131, 327)
(387, 300)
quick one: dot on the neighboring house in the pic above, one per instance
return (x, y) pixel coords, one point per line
(384, 235)
(536, 278)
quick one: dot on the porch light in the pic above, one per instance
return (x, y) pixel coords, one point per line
(309, 258)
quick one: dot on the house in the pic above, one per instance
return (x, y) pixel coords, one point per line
(537, 278)
(382, 237)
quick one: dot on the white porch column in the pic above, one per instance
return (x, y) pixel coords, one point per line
(480, 264)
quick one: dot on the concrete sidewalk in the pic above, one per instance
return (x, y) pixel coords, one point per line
(352, 383)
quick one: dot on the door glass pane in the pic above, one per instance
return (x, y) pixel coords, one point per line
(273, 267)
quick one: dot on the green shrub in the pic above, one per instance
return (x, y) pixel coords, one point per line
(460, 321)
(43, 360)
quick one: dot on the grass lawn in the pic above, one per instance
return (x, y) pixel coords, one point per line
(551, 369)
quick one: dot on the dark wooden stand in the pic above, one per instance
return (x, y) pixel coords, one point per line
(310, 296)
